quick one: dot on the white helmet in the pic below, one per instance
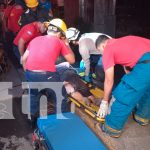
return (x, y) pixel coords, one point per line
(72, 34)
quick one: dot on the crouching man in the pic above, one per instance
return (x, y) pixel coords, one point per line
(40, 57)
(133, 92)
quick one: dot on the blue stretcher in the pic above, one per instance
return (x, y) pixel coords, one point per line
(67, 134)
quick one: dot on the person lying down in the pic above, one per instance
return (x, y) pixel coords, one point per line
(78, 90)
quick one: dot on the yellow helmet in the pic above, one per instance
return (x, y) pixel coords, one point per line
(31, 3)
(60, 24)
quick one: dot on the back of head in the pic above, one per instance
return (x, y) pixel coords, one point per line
(72, 34)
(101, 39)
(31, 3)
(57, 25)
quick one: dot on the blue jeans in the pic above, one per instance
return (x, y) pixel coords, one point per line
(38, 77)
(132, 92)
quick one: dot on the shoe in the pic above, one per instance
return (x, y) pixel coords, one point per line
(115, 134)
(141, 121)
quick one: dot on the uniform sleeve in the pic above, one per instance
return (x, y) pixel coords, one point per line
(28, 35)
(108, 58)
(85, 54)
(64, 49)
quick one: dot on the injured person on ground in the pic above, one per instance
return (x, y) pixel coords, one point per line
(78, 90)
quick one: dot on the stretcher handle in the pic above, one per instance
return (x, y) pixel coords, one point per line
(90, 112)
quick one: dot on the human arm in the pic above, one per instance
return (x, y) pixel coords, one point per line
(21, 46)
(70, 55)
(24, 59)
(85, 54)
(108, 84)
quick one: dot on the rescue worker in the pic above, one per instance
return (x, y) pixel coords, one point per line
(25, 35)
(46, 5)
(90, 55)
(11, 26)
(12, 15)
(133, 92)
(40, 57)
(34, 13)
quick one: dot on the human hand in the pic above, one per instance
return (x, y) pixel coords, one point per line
(102, 112)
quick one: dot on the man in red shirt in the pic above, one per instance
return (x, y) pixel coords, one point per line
(25, 35)
(11, 26)
(133, 92)
(40, 57)
(12, 15)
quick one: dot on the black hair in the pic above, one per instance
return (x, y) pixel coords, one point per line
(101, 39)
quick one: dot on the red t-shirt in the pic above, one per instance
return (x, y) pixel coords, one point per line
(44, 51)
(125, 51)
(27, 33)
(7, 11)
(14, 17)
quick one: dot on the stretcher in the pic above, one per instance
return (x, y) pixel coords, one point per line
(92, 109)
(70, 133)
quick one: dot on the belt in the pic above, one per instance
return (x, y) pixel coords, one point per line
(40, 71)
(141, 62)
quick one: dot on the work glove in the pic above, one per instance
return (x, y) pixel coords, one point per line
(102, 112)
(87, 79)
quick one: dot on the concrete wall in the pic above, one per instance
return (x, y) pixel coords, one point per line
(91, 15)
(104, 16)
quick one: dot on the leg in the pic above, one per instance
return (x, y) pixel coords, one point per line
(142, 110)
(121, 108)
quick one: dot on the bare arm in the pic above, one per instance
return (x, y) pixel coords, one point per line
(70, 57)
(108, 83)
(24, 59)
(21, 46)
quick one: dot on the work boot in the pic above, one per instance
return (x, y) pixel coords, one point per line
(141, 121)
